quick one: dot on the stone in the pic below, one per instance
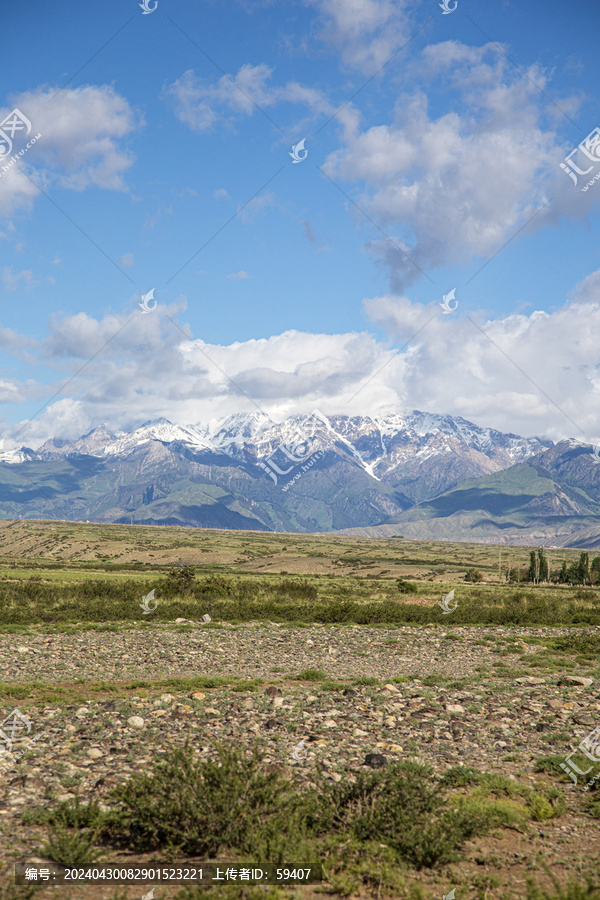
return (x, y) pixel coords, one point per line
(454, 709)
(95, 753)
(375, 760)
(166, 698)
(278, 702)
(180, 621)
(349, 692)
(391, 687)
(248, 704)
(530, 679)
(197, 695)
(578, 680)
(358, 732)
(205, 619)
(584, 719)
(135, 722)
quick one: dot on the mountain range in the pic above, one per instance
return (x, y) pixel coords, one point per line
(419, 475)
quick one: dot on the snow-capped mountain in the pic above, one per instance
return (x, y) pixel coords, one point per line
(311, 472)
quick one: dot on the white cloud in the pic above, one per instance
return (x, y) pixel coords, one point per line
(458, 186)
(82, 131)
(530, 374)
(12, 280)
(239, 276)
(221, 194)
(534, 374)
(127, 261)
(202, 104)
(366, 32)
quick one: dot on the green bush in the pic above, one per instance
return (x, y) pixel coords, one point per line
(73, 833)
(473, 575)
(402, 806)
(200, 807)
(407, 587)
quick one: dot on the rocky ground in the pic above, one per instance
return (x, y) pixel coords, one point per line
(487, 710)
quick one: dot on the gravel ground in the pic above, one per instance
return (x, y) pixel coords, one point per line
(495, 723)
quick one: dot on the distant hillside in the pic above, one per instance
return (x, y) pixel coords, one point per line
(305, 474)
(552, 499)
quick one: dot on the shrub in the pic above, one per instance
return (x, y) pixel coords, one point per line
(199, 807)
(406, 587)
(473, 575)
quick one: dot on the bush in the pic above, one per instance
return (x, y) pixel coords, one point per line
(200, 807)
(74, 831)
(404, 807)
(407, 587)
(473, 575)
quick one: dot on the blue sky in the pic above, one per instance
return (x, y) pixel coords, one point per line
(434, 143)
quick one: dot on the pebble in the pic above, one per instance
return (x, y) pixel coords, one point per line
(375, 760)
(576, 679)
(135, 722)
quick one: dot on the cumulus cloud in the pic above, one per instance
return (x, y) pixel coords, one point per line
(458, 186)
(365, 32)
(530, 374)
(81, 143)
(533, 374)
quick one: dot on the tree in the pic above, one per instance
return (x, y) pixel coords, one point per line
(563, 575)
(538, 566)
(583, 569)
(595, 570)
(533, 572)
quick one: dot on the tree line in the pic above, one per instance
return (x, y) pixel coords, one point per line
(581, 572)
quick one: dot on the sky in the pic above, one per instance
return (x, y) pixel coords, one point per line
(150, 151)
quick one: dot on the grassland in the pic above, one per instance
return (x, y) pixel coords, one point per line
(494, 815)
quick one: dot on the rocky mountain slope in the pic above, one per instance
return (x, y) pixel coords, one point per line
(307, 473)
(552, 499)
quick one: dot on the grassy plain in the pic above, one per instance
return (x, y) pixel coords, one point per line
(394, 832)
